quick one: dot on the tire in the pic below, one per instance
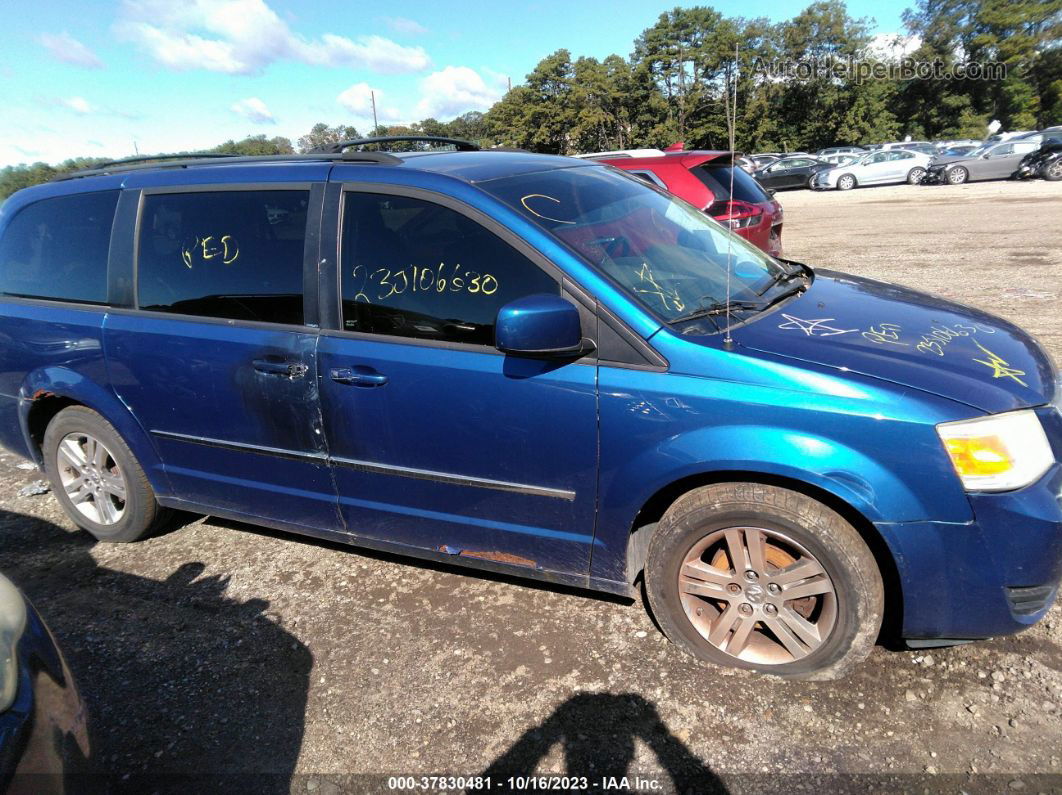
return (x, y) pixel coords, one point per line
(1052, 172)
(915, 175)
(846, 182)
(94, 480)
(718, 615)
(957, 175)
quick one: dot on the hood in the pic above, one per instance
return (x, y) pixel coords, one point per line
(948, 160)
(917, 340)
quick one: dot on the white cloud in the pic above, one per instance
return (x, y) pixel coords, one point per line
(254, 109)
(453, 91)
(76, 104)
(69, 50)
(407, 27)
(245, 36)
(358, 100)
(893, 46)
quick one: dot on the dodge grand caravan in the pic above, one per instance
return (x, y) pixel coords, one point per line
(534, 365)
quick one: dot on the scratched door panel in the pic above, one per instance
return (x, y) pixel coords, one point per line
(216, 363)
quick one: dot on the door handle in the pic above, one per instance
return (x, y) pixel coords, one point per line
(360, 375)
(285, 369)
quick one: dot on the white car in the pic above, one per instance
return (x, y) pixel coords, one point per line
(877, 168)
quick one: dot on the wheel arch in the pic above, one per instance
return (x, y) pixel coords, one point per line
(653, 509)
(46, 392)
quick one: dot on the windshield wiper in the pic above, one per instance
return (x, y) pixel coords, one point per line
(717, 308)
(795, 290)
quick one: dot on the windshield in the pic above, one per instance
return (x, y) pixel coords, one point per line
(668, 255)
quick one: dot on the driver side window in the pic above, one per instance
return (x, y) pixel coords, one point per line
(412, 268)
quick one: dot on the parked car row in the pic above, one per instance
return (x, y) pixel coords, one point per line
(913, 162)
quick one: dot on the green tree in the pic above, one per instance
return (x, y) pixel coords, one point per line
(256, 145)
(1023, 35)
(321, 136)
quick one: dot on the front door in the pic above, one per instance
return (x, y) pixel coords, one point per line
(438, 440)
(215, 361)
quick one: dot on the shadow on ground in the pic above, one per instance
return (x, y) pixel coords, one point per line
(597, 733)
(180, 680)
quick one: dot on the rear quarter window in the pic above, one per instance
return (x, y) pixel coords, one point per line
(57, 248)
(717, 180)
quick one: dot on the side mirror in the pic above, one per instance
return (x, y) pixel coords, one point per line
(540, 325)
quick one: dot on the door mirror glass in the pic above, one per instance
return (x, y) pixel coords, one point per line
(539, 325)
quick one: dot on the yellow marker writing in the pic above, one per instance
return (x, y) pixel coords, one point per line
(1000, 367)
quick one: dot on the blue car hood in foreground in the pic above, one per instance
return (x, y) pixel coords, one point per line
(909, 338)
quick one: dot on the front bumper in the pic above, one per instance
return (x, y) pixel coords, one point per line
(935, 175)
(821, 182)
(994, 576)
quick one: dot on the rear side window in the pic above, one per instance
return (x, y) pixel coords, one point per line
(57, 248)
(717, 180)
(412, 268)
(227, 254)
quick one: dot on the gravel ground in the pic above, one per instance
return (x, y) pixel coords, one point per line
(225, 650)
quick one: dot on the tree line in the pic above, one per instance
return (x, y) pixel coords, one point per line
(674, 87)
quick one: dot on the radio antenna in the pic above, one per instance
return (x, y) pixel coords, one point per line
(731, 118)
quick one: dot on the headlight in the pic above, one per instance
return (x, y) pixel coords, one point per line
(1000, 452)
(12, 623)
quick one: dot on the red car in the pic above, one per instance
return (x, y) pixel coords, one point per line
(703, 179)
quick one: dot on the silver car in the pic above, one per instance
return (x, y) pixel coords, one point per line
(992, 161)
(877, 168)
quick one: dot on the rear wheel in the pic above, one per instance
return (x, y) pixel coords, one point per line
(846, 182)
(915, 176)
(96, 477)
(957, 175)
(759, 577)
(1053, 171)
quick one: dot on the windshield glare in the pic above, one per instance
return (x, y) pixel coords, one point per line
(665, 253)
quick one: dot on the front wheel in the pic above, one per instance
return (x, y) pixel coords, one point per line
(957, 175)
(96, 477)
(1053, 171)
(759, 577)
(915, 176)
(846, 182)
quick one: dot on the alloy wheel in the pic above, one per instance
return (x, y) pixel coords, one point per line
(757, 595)
(92, 479)
(1054, 170)
(916, 175)
(957, 176)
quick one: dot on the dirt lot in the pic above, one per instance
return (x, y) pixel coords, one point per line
(223, 649)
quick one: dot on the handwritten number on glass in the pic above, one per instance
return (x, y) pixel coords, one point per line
(416, 279)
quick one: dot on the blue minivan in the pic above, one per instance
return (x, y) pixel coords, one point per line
(540, 366)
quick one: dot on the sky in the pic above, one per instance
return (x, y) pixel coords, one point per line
(110, 78)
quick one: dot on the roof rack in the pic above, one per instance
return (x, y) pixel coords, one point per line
(152, 158)
(459, 144)
(213, 158)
